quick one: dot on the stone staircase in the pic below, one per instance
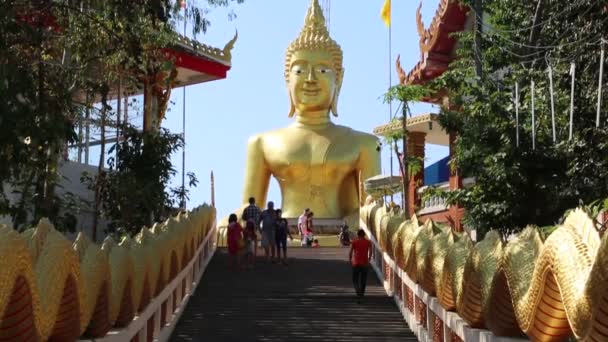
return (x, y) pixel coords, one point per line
(310, 300)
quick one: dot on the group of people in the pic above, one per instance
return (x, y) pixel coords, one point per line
(273, 228)
(274, 232)
(305, 225)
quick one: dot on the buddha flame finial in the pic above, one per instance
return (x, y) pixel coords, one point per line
(314, 23)
(314, 36)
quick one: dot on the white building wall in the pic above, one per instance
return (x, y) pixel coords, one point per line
(71, 173)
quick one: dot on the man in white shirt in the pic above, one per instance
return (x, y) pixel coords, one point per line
(302, 224)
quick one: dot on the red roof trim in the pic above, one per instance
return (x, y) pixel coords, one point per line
(40, 19)
(196, 63)
(182, 59)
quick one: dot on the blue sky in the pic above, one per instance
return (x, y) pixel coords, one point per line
(221, 115)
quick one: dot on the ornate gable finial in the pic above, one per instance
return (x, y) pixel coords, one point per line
(229, 46)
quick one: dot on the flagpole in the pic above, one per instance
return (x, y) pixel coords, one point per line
(184, 129)
(390, 84)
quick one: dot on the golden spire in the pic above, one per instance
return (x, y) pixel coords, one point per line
(212, 190)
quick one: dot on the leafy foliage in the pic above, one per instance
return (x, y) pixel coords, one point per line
(409, 166)
(433, 191)
(59, 58)
(37, 113)
(517, 184)
(134, 191)
(406, 94)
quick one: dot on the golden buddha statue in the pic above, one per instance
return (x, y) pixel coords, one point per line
(316, 162)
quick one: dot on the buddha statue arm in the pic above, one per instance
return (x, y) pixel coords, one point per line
(257, 174)
(369, 160)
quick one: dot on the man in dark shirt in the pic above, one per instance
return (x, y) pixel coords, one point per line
(268, 219)
(252, 213)
(282, 231)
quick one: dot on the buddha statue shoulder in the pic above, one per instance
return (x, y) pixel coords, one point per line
(318, 164)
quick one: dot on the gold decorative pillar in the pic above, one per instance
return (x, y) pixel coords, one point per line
(212, 190)
(415, 148)
(361, 190)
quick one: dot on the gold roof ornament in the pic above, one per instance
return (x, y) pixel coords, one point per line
(314, 36)
(227, 51)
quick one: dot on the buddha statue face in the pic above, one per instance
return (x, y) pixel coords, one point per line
(311, 81)
(313, 67)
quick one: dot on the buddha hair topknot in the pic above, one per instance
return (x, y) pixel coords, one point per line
(314, 36)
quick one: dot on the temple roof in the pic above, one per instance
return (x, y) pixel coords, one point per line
(198, 63)
(195, 63)
(425, 123)
(436, 43)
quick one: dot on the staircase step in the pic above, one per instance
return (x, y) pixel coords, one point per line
(312, 299)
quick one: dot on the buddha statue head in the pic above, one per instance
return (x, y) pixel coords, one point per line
(313, 68)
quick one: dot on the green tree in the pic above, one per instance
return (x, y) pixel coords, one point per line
(134, 191)
(409, 166)
(58, 59)
(518, 183)
(37, 112)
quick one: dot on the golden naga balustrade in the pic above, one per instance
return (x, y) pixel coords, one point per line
(548, 290)
(51, 288)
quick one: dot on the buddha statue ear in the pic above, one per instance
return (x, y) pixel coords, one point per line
(334, 103)
(292, 107)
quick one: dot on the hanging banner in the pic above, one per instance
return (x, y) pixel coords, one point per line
(552, 104)
(572, 72)
(516, 114)
(533, 118)
(599, 87)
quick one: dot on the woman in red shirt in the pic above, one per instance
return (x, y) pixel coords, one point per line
(235, 240)
(360, 254)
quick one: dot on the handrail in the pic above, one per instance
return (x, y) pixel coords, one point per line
(436, 204)
(424, 310)
(190, 276)
(53, 289)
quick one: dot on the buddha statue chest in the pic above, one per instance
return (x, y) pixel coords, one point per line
(311, 157)
(315, 168)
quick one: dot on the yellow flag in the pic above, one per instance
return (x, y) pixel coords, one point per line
(385, 14)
